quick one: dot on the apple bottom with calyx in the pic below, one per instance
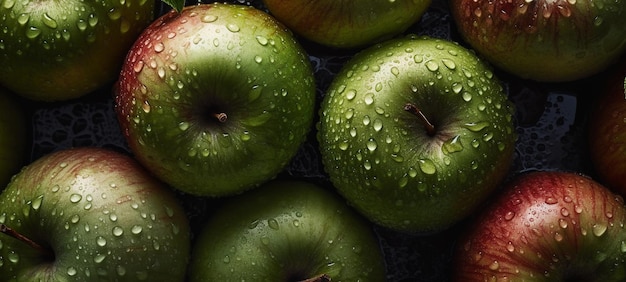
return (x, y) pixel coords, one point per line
(547, 226)
(287, 231)
(90, 214)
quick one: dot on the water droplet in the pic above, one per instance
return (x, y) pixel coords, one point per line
(183, 125)
(36, 204)
(350, 94)
(33, 32)
(117, 231)
(262, 40)
(232, 27)
(563, 223)
(494, 265)
(99, 258)
(13, 257)
(71, 271)
(551, 201)
(466, 96)
(369, 98)
(159, 47)
(136, 229)
(75, 198)
(510, 247)
(564, 212)
(273, 223)
(509, 215)
(208, 18)
(599, 229)
(427, 166)
(371, 144)
(378, 125)
(432, 66)
(395, 71)
(558, 237)
(49, 21)
(457, 87)
(452, 145)
(449, 63)
(476, 126)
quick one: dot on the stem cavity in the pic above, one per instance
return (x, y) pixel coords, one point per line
(413, 109)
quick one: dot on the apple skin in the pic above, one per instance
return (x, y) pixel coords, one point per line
(101, 214)
(13, 136)
(383, 160)
(606, 131)
(61, 50)
(287, 230)
(546, 226)
(212, 59)
(544, 40)
(347, 24)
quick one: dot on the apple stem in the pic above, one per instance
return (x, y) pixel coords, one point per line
(9, 231)
(221, 117)
(411, 108)
(318, 278)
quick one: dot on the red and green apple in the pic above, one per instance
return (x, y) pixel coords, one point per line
(216, 99)
(546, 226)
(91, 214)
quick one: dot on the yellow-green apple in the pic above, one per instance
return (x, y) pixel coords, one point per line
(416, 132)
(60, 50)
(347, 24)
(287, 230)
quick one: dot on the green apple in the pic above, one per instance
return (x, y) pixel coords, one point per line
(287, 231)
(544, 40)
(60, 50)
(216, 99)
(347, 23)
(416, 132)
(546, 226)
(90, 214)
(13, 136)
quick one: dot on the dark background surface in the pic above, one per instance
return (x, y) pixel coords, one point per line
(551, 121)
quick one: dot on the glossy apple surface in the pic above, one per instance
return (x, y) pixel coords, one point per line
(544, 40)
(91, 215)
(60, 50)
(547, 226)
(415, 133)
(347, 23)
(216, 99)
(287, 231)
(13, 136)
(606, 131)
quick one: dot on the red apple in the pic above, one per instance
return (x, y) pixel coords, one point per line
(607, 132)
(544, 40)
(547, 226)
